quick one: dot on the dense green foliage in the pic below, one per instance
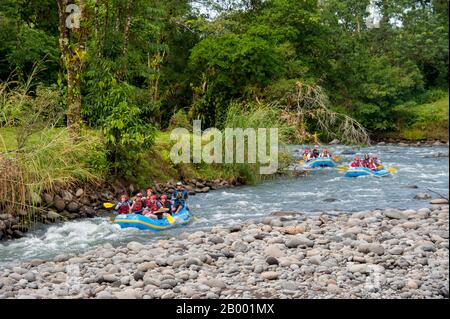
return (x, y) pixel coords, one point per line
(147, 65)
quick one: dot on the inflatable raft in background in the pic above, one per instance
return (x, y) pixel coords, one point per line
(145, 223)
(320, 162)
(363, 171)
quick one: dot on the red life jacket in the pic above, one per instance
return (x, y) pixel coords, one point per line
(152, 206)
(124, 208)
(136, 206)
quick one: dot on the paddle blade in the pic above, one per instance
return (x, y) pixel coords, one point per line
(108, 205)
(170, 219)
(337, 158)
(343, 168)
(392, 170)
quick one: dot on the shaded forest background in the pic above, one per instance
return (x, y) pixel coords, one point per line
(132, 69)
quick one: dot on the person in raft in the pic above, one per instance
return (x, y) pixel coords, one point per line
(356, 162)
(316, 151)
(180, 190)
(152, 206)
(138, 204)
(165, 203)
(124, 206)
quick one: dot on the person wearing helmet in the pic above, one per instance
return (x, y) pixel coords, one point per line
(151, 207)
(180, 190)
(366, 160)
(165, 207)
(124, 206)
(356, 162)
(138, 204)
(306, 155)
(316, 151)
(164, 202)
(178, 203)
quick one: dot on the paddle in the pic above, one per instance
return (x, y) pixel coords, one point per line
(108, 205)
(337, 158)
(392, 170)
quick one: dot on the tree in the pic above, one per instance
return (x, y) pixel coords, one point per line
(72, 44)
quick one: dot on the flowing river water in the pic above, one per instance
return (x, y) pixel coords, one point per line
(323, 190)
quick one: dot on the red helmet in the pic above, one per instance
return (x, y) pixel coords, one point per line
(139, 195)
(164, 197)
(153, 197)
(124, 196)
(149, 190)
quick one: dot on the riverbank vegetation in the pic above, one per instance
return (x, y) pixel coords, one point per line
(94, 101)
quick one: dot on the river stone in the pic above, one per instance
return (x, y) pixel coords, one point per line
(216, 240)
(269, 275)
(412, 284)
(126, 294)
(193, 261)
(294, 230)
(66, 195)
(396, 251)
(422, 196)
(135, 246)
(73, 207)
(439, 201)
(48, 198)
(361, 268)
(104, 295)
(274, 251)
(272, 261)
(239, 246)
(215, 283)
(299, 241)
(377, 249)
(59, 204)
(394, 214)
(79, 192)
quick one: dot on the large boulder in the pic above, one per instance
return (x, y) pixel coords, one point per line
(73, 207)
(422, 196)
(59, 204)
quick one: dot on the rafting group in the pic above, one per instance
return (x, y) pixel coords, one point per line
(152, 207)
(365, 166)
(150, 212)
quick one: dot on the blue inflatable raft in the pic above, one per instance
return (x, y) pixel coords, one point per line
(145, 223)
(321, 162)
(362, 171)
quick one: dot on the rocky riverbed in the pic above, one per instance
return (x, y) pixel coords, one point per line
(69, 204)
(375, 254)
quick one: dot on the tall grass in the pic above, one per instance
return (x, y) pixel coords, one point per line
(36, 155)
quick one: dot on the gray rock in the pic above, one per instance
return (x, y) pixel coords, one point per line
(59, 204)
(270, 275)
(272, 261)
(422, 196)
(394, 214)
(299, 241)
(73, 207)
(193, 261)
(104, 295)
(239, 246)
(274, 251)
(79, 192)
(135, 246)
(216, 240)
(439, 201)
(377, 249)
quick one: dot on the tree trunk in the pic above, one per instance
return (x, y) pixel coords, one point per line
(72, 43)
(126, 35)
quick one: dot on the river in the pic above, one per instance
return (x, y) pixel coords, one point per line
(323, 190)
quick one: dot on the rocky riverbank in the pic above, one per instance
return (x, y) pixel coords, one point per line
(69, 204)
(377, 254)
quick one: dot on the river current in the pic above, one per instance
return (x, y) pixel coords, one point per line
(322, 190)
